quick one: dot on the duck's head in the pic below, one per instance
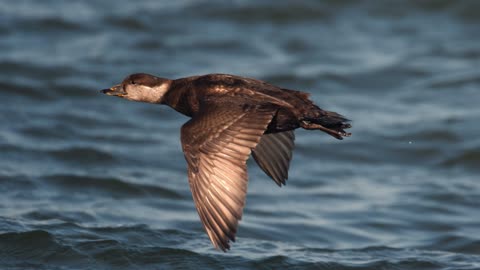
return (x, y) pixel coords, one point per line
(140, 87)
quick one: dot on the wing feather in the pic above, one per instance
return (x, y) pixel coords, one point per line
(217, 144)
(273, 155)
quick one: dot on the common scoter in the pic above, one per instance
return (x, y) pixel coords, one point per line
(231, 118)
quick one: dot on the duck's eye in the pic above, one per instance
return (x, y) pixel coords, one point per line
(133, 82)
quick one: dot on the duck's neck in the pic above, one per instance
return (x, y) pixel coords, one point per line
(182, 97)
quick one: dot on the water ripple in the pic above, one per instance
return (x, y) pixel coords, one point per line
(468, 158)
(86, 155)
(113, 186)
(93, 182)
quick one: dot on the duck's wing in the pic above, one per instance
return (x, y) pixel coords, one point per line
(273, 155)
(217, 143)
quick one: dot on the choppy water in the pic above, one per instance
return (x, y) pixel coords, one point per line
(93, 182)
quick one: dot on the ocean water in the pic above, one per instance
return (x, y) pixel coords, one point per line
(94, 182)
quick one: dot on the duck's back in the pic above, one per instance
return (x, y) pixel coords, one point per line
(251, 90)
(188, 93)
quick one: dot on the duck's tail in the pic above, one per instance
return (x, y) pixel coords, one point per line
(331, 123)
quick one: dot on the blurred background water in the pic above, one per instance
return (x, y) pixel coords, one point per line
(93, 182)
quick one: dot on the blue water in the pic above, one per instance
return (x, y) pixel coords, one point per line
(93, 182)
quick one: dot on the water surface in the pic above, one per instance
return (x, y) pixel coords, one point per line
(89, 181)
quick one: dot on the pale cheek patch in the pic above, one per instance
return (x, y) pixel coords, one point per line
(160, 91)
(147, 94)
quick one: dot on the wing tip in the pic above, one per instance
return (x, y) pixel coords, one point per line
(223, 245)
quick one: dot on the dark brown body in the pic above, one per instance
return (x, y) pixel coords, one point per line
(292, 107)
(232, 118)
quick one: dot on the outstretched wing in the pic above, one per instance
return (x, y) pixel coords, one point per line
(217, 143)
(273, 155)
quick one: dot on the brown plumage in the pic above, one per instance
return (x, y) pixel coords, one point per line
(231, 118)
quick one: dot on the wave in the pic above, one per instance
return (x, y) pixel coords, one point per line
(466, 158)
(36, 249)
(112, 186)
(127, 23)
(455, 81)
(8, 88)
(68, 216)
(71, 246)
(34, 70)
(81, 155)
(455, 244)
(51, 23)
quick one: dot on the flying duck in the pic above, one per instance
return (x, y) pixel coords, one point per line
(231, 118)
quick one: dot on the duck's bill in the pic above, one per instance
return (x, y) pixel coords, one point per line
(116, 90)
